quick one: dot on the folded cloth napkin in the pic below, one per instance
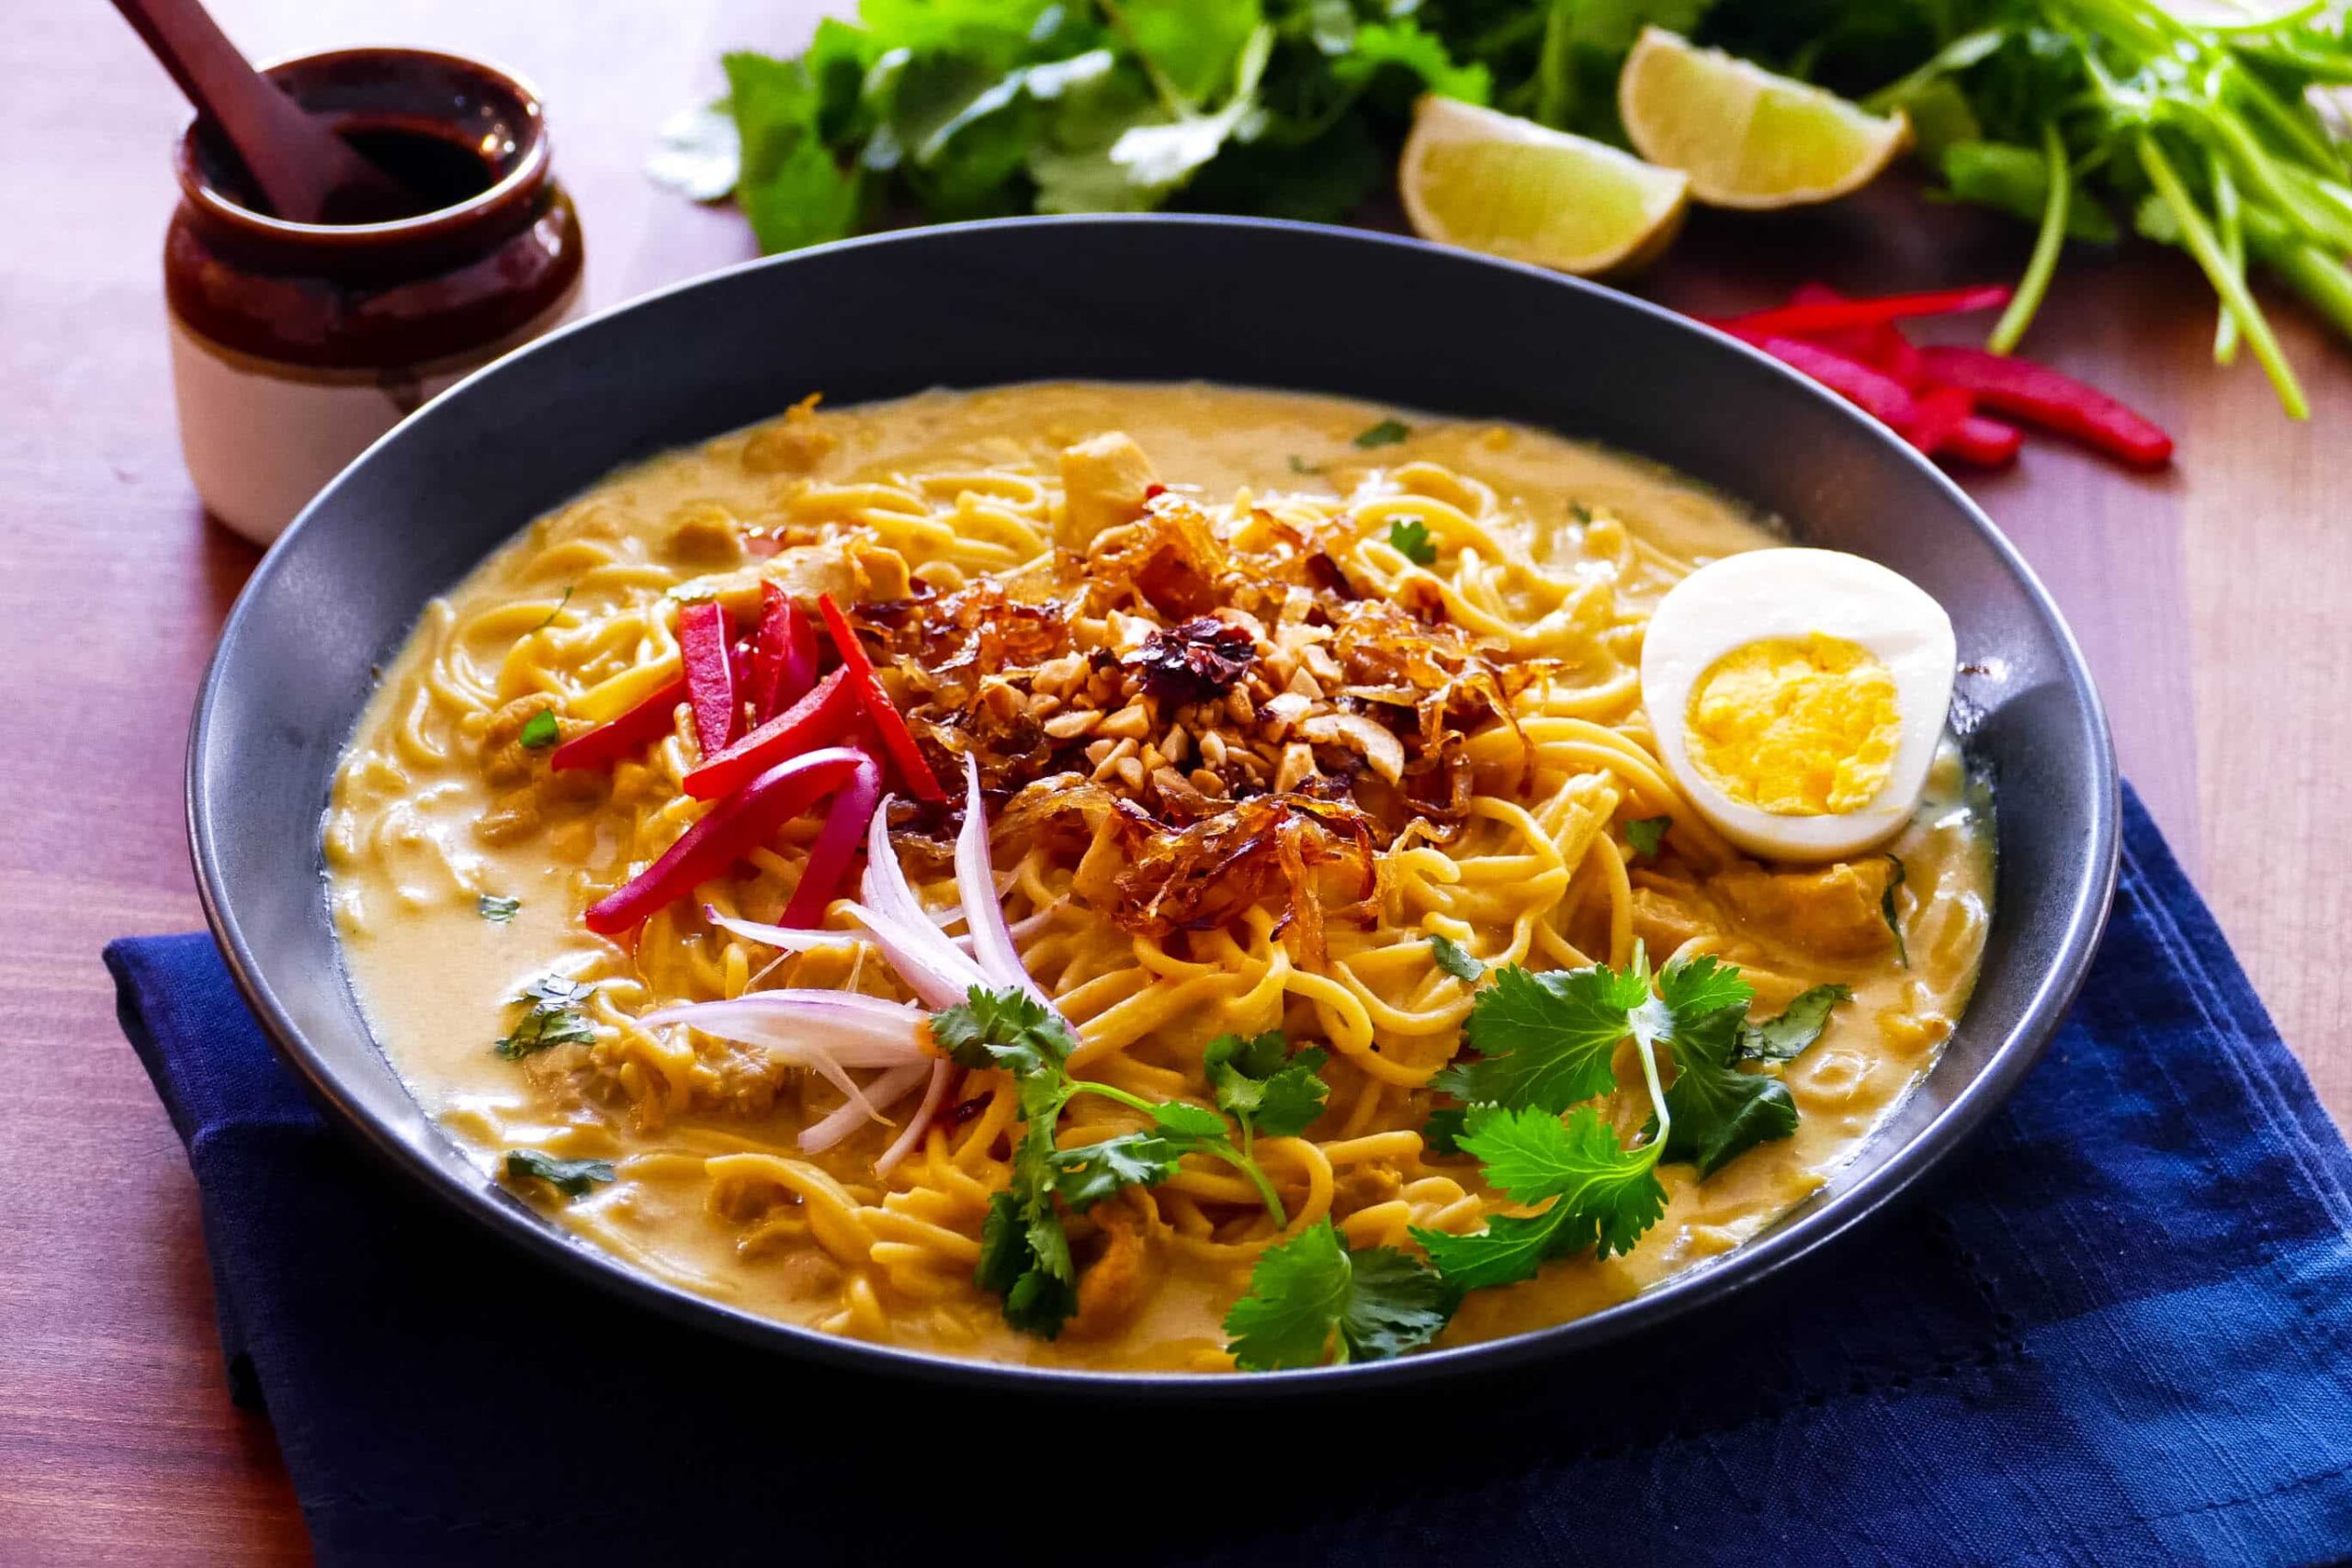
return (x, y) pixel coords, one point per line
(2119, 1330)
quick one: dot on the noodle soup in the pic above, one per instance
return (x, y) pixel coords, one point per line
(1302, 732)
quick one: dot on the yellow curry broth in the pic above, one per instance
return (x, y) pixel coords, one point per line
(696, 1127)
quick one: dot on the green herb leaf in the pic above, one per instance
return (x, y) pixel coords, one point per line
(1086, 1174)
(1409, 536)
(788, 184)
(1442, 1133)
(1265, 1087)
(1603, 1196)
(2016, 180)
(1007, 1029)
(1025, 1259)
(540, 731)
(572, 1177)
(1545, 1040)
(1456, 960)
(1388, 433)
(1312, 1299)
(1787, 1037)
(553, 614)
(497, 910)
(1715, 1111)
(1299, 465)
(1644, 834)
(551, 1016)
(1887, 910)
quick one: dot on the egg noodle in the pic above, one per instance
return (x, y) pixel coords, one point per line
(435, 810)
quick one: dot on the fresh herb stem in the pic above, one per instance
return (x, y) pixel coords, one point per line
(2230, 226)
(2035, 285)
(2323, 281)
(1245, 1163)
(2198, 237)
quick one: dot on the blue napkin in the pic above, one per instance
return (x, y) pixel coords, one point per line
(2118, 1331)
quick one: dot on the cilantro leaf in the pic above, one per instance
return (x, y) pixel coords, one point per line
(1008, 1029)
(572, 1177)
(1714, 1111)
(1644, 834)
(1188, 1122)
(1302, 467)
(1887, 910)
(1409, 536)
(551, 1016)
(787, 181)
(1313, 1299)
(1191, 44)
(1402, 46)
(1388, 433)
(1086, 1174)
(498, 910)
(1442, 1133)
(540, 731)
(1545, 1040)
(1025, 1258)
(1264, 1086)
(1603, 1196)
(1454, 960)
(1787, 1037)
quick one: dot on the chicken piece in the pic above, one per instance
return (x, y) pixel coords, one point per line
(1363, 1187)
(505, 761)
(793, 444)
(1103, 480)
(1128, 1269)
(706, 538)
(1663, 922)
(1833, 912)
(513, 816)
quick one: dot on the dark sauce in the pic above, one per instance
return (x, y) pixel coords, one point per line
(436, 165)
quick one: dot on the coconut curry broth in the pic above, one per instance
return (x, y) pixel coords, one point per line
(408, 864)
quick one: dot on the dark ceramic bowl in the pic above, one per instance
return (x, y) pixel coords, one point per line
(1155, 299)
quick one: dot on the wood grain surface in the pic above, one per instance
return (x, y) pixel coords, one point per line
(2212, 601)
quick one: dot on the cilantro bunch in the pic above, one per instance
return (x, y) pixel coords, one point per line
(1024, 1250)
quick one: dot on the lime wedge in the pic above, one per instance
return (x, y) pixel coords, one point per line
(1509, 187)
(1746, 137)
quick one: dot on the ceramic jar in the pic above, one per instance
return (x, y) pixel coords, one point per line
(295, 345)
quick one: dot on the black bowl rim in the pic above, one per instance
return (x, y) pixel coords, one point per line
(1791, 1237)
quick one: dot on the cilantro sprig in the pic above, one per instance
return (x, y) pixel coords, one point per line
(1024, 1251)
(1314, 1298)
(551, 1016)
(1548, 1044)
(572, 1177)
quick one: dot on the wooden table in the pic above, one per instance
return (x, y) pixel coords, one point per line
(2212, 601)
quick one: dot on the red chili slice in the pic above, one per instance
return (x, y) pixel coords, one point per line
(836, 846)
(1802, 319)
(784, 654)
(711, 674)
(822, 717)
(1987, 443)
(1941, 411)
(2054, 401)
(726, 833)
(897, 739)
(608, 742)
(1874, 392)
(1882, 347)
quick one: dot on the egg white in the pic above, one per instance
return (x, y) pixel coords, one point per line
(1792, 593)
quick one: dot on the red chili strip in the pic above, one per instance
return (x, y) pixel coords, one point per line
(820, 718)
(727, 833)
(784, 654)
(1874, 392)
(1942, 411)
(1987, 443)
(2054, 401)
(711, 674)
(1882, 347)
(888, 723)
(836, 846)
(1802, 319)
(610, 741)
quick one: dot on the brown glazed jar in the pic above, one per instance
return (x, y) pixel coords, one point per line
(295, 345)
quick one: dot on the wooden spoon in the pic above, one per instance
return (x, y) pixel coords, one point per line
(301, 165)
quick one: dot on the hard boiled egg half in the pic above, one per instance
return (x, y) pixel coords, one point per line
(1798, 697)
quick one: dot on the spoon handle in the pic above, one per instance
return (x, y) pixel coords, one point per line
(297, 162)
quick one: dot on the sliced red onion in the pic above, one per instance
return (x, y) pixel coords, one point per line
(885, 1090)
(942, 1074)
(933, 967)
(790, 939)
(976, 886)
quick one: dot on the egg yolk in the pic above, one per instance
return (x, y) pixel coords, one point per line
(1796, 727)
